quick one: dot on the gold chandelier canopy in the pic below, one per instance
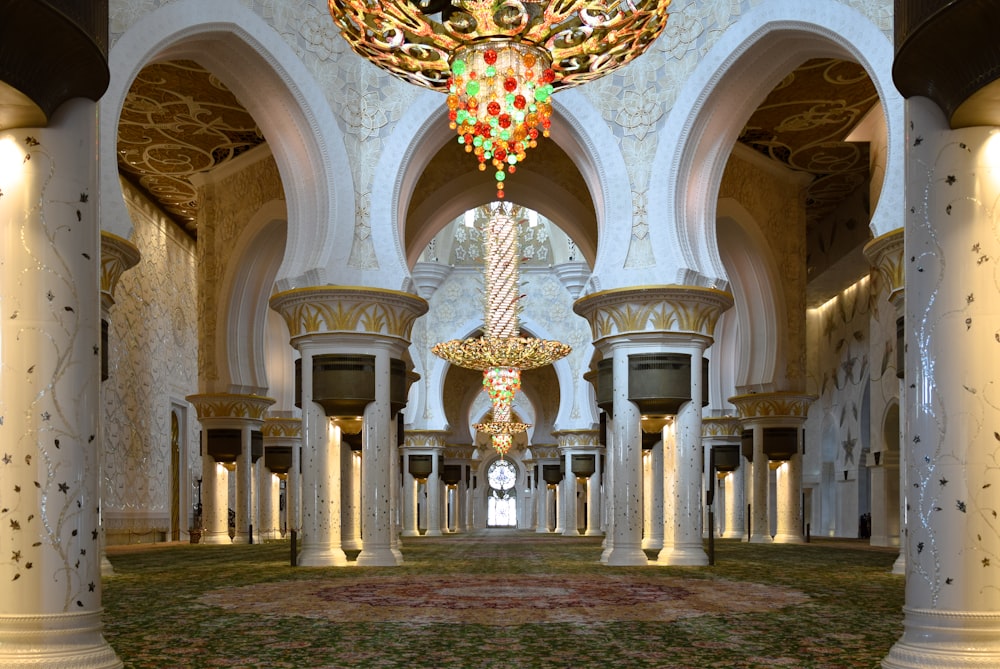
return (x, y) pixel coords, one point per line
(416, 41)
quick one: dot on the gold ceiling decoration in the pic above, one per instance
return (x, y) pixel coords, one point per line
(803, 122)
(179, 120)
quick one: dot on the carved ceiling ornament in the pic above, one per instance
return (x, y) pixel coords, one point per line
(349, 309)
(667, 308)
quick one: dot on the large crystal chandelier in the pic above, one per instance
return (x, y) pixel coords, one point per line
(499, 61)
(501, 353)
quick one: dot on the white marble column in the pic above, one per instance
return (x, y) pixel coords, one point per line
(321, 518)
(350, 499)
(735, 504)
(608, 499)
(653, 487)
(594, 500)
(410, 488)
(542, 501)
(214, 499)
(760, 526)
(293, 489)
(265, 517)
(682, 543)
(951, 609)
(626, 461)
(434, 497)
(376, 451)
(569, 496)
(789, 525)
(244, 489)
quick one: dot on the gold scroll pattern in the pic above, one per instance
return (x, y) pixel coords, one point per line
(282, 428)
(721, 426)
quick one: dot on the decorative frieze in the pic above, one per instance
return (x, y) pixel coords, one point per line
(225, 405)
(577, 439)
(643, 309)
(885, 253)
(773, 405)
(425, 438)
(350, 310)
(282, 428)
(118, 255)
(721, 426)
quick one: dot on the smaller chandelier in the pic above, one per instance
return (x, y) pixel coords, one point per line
(498, 102)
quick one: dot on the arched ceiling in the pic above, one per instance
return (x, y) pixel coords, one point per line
(548, 182)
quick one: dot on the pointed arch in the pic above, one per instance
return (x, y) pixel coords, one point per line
(266, 75)
(737, 73)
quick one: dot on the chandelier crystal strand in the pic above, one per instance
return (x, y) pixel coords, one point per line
(502, 278)
(498, 102)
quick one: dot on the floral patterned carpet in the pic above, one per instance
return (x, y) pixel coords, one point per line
(507, 599)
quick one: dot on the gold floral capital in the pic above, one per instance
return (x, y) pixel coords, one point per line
(545, 452)
(282, 428)
(773, 405)
(425, 438)
(721, 426)
(577, 438)
(885, 253)
(459, 451)
(667, 308)
(225, 405)
(117, 257)
(349, 310)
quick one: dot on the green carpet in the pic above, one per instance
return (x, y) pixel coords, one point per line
(503, 599)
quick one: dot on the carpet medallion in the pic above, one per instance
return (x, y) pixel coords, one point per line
(502, 601)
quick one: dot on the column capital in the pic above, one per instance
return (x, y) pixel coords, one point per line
(778, 407)
(541, 452)
(691, 310)
(282, 428)
(225, 406)
(721, 426)
(349, 310)
(424, 439)
(577, 439)
(885, 253)
(459, 451)
(118, 255)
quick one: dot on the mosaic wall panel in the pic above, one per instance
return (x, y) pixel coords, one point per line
(152, 360)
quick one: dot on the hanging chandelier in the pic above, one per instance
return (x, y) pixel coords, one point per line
(499, 61)
(501, 353)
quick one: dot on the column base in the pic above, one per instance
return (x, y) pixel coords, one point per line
(241, 538)
(377, 557)
(107, 569)
(734, 535)
(433, 533)
(593, 533)
(760, 539)
(788, 539)
(652, 544)
(689, 555)
(621, 556)
(946, 640)
(216, 538)
(542, 530)
(351, 544)
(899, 566)
(318, 556)
(571, 533)
(411, 533)
(55, 641)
